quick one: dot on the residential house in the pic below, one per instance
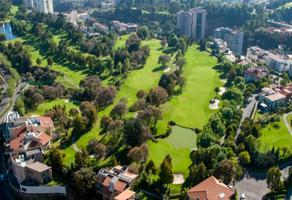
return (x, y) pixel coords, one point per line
(253, 74)
(274, 61)
(272, 98)
(123, 27)
(115, 183)
(24, 133)
(27, 167)
(211, 189)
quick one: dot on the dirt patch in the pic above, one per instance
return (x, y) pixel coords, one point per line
(222, 91)
(178, 179)
(214, 105)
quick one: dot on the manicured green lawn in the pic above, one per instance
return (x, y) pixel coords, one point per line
(43, 107)
(273, 137)
(191, 108)
(178, 145)
(121, 41)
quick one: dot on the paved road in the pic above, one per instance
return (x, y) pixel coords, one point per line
(4, 187)
(5, 101)
(247, 113)
(287, 123)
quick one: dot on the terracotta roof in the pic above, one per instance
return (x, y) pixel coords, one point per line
(46, 121)
(120, 186)
(106, 181)
(18, 130)
(211, 189)
(16, 143)
(44, 138)
(127, 194)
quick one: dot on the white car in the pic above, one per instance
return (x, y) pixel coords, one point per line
(242, 197)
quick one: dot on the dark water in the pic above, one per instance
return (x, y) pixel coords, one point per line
(6, 29)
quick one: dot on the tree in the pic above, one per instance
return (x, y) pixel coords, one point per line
(217, 90)
(80, 124)
(39, 62)
(50, 61)
(96, 148)
(2, 37)
(84, 182)
(105, 96)
(274, 179)
(133, 43)
(143, 32)
(157, 96)
(88, 111)
(244, 158)
(81, 159)
(119, 110)
(55, 159)
(139, 154)
(197, 173)
(163, 60)
(166, 174)
(150, 167)
(19, 106)
(105, 123)
(135, 132)
(203, 45)
(225, 170)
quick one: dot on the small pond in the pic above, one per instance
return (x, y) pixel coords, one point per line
(5, 28)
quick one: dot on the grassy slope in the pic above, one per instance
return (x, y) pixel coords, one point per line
(143, 78)
(71, 76)
(191, 108)
(278, 138)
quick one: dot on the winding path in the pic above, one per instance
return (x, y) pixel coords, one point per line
(287, 122)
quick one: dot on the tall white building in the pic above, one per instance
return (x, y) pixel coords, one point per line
(234, 39)
(43, 6)
(192, 23)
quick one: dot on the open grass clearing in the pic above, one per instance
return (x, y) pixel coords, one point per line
(275, 135)
(191, 108)
(43, 107)
(121, 41)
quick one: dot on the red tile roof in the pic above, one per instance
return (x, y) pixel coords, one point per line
(127, 194)
(106, 181)
(120, 186)
(16, 143)
(46, 121)
(44, 138)
(211, 189)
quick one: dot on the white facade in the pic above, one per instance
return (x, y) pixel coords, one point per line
(192, 23)
(234, 39)
(43, 6)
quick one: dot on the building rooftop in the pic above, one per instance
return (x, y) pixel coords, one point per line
(211, 188)
(276, 97)
(38, 166)
(125, 195)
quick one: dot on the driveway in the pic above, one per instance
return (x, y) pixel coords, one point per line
(247, 113)
(253, 185)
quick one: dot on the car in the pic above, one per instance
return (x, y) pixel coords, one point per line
(242, 197)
